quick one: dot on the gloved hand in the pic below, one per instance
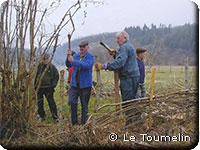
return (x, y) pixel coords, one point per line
(112, 52)
(99, 66)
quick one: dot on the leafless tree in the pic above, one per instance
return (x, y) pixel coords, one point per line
(23, 42)
(153, 54)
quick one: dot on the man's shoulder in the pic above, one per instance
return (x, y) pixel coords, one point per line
(52, 66)
(76, 54)
(90, 54)
(127, 44)
(138, 59)
(140, 62)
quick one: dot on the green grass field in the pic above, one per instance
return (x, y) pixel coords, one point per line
(167, 79)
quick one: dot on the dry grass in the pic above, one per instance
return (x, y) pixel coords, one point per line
(169, 118)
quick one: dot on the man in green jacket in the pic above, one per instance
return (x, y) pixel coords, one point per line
(48, 83)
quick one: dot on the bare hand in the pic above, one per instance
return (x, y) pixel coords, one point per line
(69, 52)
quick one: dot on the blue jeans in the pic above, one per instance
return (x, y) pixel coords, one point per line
(84, 94)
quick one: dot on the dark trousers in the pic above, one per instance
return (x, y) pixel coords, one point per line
(84, 94)
(129, 89)
(48, 92)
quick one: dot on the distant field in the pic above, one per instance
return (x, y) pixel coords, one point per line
(171, 78)
(165, 77)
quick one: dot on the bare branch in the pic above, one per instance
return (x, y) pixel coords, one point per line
(40, 22)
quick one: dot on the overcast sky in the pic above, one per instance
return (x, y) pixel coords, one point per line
(115, 15)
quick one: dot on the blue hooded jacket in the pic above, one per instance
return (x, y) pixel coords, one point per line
(125, 61)
(85, 65)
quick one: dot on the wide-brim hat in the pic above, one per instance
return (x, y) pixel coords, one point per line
(83, 43)
(140, 50)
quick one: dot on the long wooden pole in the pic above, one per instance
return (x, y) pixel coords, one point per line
(187, 81)
(69, 41)
(61, 95)
(117, 96)
(98, 89)
(186, 74)
(151, 97)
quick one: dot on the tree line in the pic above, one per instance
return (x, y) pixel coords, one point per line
(169, 44)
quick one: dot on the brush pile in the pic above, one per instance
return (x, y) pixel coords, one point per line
(174, 114)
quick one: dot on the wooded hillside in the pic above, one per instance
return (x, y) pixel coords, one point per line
(171, 44)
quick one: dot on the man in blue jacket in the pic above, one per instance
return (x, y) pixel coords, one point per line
(126, 63)
(81, 80)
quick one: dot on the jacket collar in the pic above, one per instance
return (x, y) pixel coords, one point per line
(84, 55)
(125, 42)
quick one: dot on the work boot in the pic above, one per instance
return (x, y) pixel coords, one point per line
(56, 120)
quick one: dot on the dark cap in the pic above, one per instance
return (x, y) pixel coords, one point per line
(140, 50)
(83, 43)
(46, 56)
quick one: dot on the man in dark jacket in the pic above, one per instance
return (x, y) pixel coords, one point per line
(126, 63)
(81, 80)
(48, 83)
(140, 59)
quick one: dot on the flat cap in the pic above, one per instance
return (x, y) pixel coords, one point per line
(140, 50)
(83, 43)
(46, 56)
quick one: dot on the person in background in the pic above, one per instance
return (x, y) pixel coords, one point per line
(81, 81)
(48, 84)
(141, 52)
